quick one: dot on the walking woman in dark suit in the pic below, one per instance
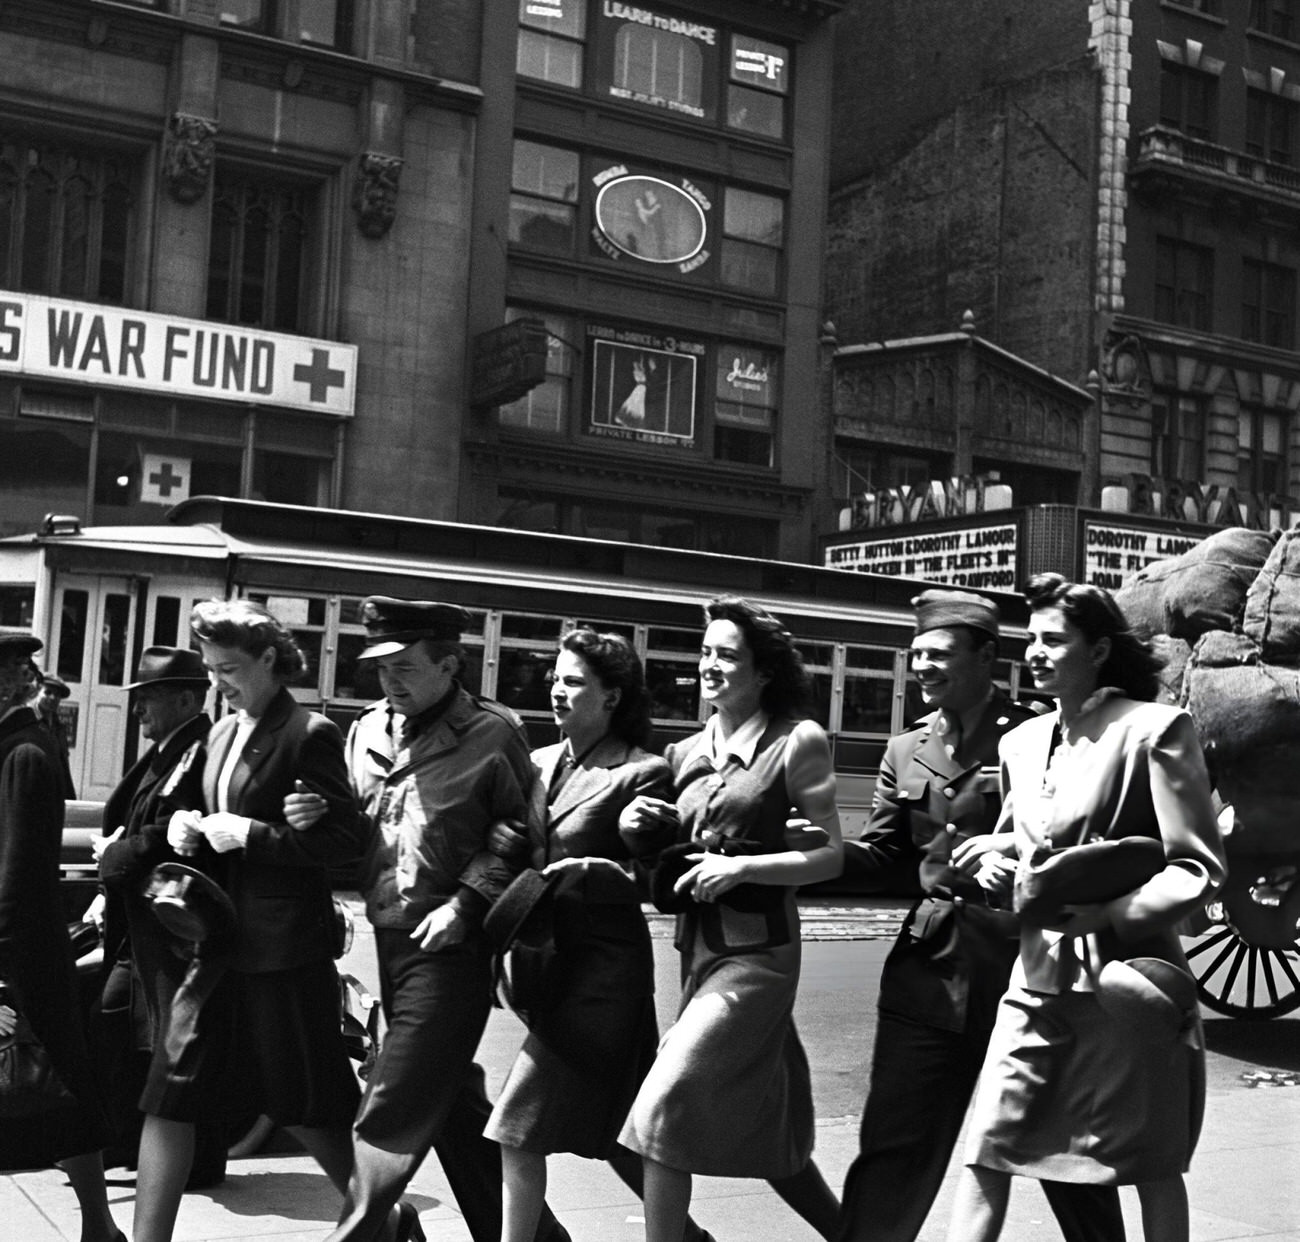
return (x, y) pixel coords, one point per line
(288, 1047)
(36, 966)
(586, 1052)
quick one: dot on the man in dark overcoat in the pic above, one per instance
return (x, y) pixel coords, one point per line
(941, 983)
(434, 768)
(167, 699)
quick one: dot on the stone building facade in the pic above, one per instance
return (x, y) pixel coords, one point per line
(255, 247)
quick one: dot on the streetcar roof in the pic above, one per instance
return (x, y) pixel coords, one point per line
(251, 533)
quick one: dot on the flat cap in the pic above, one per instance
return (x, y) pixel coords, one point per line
(16, 640)
(393, 624)
(169, 664)
(56, 685)
(938, 608)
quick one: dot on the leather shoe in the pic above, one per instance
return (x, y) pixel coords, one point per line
(409, 1228)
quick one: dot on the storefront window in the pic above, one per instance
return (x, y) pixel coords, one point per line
(744, 412)
(327, 23)
(546, 407)
(544, 194)
(551, 40)
(758, 86)
(658, 66)
(256, 15)
(754, 234)
(44, 468)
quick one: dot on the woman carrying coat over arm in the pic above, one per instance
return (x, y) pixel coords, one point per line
(1071, 1088)
(729, 1093)
(288, 1052)
(591, 1043)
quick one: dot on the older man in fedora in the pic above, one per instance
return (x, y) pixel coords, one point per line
(143, 970)
(939, 990)
(434, 767)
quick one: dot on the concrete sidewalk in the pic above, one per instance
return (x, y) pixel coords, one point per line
(1243, 1184)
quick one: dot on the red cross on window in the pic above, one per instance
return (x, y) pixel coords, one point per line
(319, 375)
(165, 479)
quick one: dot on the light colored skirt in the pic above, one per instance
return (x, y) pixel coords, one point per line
(1069, 1094)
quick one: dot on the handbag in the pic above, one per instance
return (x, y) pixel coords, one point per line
(674, 863)
(29, 1085)
(1081, 875)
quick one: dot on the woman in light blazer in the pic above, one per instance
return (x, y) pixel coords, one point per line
(1070, 1089)
(588, 1049)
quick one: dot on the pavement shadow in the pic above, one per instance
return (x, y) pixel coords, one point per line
(1266, 1044)
(290, 1195)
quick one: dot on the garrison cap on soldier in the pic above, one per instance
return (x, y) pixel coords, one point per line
(938, 608)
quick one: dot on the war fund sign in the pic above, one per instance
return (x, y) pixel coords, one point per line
(60, 340)
(981, 556)
(1113, 554)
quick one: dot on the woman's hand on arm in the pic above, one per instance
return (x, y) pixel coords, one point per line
(304, 808)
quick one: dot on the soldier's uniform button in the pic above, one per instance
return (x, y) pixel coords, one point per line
(950, 792)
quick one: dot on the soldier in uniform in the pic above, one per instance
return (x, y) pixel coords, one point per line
(939, 990)
(434, 768)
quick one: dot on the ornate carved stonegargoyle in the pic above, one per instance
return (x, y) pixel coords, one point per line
(189, 149)
(1125, 368)
(374, 194)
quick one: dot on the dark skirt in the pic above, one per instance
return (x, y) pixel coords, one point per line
(81, 1125)
(290, 1061)
(578, 1072)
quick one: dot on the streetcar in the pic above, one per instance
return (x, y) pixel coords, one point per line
(97, 596)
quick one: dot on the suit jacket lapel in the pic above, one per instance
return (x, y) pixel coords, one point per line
(933, 755)
(590, 778)
(260, 745)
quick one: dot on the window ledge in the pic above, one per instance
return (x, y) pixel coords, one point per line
(1276, 40)
(1212, 19)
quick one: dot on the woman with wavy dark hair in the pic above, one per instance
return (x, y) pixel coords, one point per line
(288, 1045)
(729, 1094)
(1072, 1089)
(589, 1047)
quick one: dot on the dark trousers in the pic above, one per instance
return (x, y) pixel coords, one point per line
(922, 1080)
(425, 1091)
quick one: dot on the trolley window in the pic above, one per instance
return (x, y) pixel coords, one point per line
(868, 690)
(72, 634)
(819, 664)
(528, 646)
(17, 605)
(672, 667)
(116, 636)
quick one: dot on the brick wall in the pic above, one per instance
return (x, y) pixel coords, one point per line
(992, 209)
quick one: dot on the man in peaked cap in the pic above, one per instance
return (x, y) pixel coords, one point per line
(434, 768)
(47, 694)
(142, 972)
(940, 986)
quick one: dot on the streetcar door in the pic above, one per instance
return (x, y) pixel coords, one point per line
(90, 648)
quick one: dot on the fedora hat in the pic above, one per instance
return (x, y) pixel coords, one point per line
(1155, 999)
(394, 624)
(164, 664)
(189, 904)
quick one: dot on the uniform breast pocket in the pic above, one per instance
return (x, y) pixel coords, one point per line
(914, 796)
(975, 808)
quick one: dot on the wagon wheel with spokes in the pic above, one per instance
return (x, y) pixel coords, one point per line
(1243, 975)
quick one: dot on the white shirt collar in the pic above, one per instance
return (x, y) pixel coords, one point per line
(741, 745)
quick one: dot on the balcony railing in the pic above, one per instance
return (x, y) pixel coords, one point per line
(1168, 150)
